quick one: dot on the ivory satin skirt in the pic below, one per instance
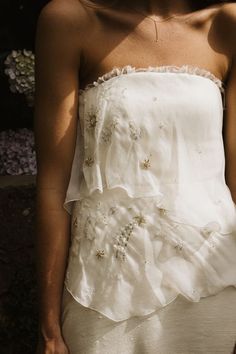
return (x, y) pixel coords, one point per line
(182, 327)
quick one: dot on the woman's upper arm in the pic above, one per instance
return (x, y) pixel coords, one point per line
(58, 50)
(229, 131)
(229, 124)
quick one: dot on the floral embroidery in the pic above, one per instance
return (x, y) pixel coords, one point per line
(112, 210)
(162, 211)
(89, 161)
(179, 246)
(91, 119)
(108, 130)
(135, 132)
(100, 254)
(147, 261)
(140, 219)
(146, 163)
(106, 134)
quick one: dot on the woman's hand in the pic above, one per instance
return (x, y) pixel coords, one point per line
(52, 346)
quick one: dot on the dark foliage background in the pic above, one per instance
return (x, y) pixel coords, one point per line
(17, 31)
(18, 300)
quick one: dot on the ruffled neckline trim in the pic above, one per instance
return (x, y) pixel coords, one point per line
(127, 69)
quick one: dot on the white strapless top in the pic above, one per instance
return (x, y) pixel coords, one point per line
(152, 216)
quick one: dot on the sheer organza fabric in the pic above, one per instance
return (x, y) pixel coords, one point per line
(152, 216)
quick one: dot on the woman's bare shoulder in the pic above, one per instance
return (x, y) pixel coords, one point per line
(225, 22)
(67, 14)
(227, 13)
(228, 7)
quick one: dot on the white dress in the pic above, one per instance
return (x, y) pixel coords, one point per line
(152, 262)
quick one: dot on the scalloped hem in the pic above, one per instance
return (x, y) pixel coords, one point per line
(149, 312)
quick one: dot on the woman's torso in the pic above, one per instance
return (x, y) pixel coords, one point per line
(150, 232)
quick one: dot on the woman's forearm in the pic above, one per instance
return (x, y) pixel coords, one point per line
(230, 179)
(52, 244)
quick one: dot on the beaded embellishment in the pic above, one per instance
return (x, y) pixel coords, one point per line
(123, 237)
(89, 161)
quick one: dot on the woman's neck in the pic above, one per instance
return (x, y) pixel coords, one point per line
(162, 7)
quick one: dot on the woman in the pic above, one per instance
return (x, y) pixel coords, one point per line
(136, 225)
